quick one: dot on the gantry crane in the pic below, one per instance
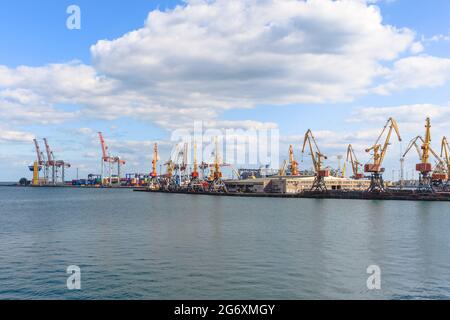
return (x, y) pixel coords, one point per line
(317, 159)
(109, 160)
(293, 165)
(56, 166)
(351, 157)
(154, 183)
(445, 153)
(379, 152)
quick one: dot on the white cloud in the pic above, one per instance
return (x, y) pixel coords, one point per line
(416, 72)
(13, 136)
(231, 54)
(415, 113)
(204, 57)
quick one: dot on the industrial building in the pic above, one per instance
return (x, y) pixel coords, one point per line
(293, 184)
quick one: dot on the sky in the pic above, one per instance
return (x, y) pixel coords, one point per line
(144, 71)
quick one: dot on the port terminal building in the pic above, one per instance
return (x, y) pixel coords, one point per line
(293, 184)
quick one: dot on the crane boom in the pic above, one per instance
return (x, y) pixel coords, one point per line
(39, 154)
(104, 147)
(49, 152)
(445, 152)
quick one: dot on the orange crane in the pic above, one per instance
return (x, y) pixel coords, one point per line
(425, 168)
(379, 152)
(293, 165)
(154, 172)
(109, 160)
(194, 173)
(445, 153)
(317, 158)
(154, 183)
(216, 183)
(351, 156)
(282, 171)
(195, 184)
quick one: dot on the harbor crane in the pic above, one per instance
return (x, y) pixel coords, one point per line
(57, 166)
(445, 153)
(293, 165)
(282, 171)
(195, 184)
(427, 178)
(351, 157)
(109, 161)
(168, 181)
(39, 165)
(154, 183)
(379, 152)
(317, 158)
(216, 183)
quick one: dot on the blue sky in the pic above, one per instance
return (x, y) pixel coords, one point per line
(335, 105)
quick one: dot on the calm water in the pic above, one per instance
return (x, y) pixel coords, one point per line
(154, 246)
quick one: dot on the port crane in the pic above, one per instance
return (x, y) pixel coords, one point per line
(109, 160)
(445, 153)
(317, 158)
(39, 165)
(168, 181)
(57, 166)
(282, 171)
(195, 184)
(427, 178)
(216, 183)
(379, 152)
(351, 157)
(154, 183)
(293, 165)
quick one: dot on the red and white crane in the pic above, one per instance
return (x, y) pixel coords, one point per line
(109, 160)
(57, 166)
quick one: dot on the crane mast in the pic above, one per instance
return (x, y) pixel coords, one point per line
(317, 158)
(379, 152)
(154, 172)
(194, 173)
